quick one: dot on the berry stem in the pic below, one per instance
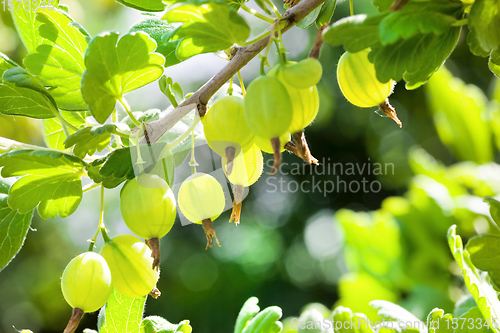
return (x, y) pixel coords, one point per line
(275, 142)
(230, 88)
(242, 85)
(185, 134)
(124, 103)
(275, 10)
(390, 112)
(351, 7)
(237, 204)
(101, 222)
(318, 42)
(155, 293)
(73, 322)
(257, 14)
(154, 245)
(208, 226)
(303, 148)
(192, 162)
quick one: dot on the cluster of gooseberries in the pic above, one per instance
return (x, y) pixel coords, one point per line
(125, 262)
(277, 107)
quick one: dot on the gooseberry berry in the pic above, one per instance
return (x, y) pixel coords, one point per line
(305, 102)
(86, 282)
(148, 208)
(304, 74)
(225, 127)
(130, 263)
(201, 200)
(247, 168)
(86, 286)
(269, 112)
(358, 81)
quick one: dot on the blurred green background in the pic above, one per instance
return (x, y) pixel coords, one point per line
(292, 247)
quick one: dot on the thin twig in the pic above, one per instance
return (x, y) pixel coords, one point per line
(242, 57)
(318, 42)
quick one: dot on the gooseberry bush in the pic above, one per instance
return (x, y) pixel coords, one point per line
(76, 84)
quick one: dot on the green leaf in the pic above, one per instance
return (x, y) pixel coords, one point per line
(494, 209)
(172, 90)
(439, 322)
(416, 18)
(358, 290)
(58, 63)
(50, 180)
(142, 117)
(122, 314)
(264, 321)
(22, 94)
(355, 32)
(5, 64)
(413, 59)
(144, 5)
(210, 27)
(326, 13)
(52, 130)
(88, 140)
(484, 253)
(484, 24)
(458, 111)
(310, 317)
(13, 230)
(26, 25)
(115, 68)
(395, 313)
(474, 322)
(372, 243)
(358, 322)
(382, 5)
(309, 20)
(168, 50)
(483, 293)
(113, 169)
(416, 59)
(494, 63)
(22, 79)
(25, 102)
(247, 312)
(463, 306)
(53, 134)
(156, 324)
(155, 28)
(160, 31)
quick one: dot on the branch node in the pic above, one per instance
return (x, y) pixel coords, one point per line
(202, 109)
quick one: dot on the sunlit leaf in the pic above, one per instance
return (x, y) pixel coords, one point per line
(58, 63)
(458, 111)
(50, 180)
(483, 293)
(13, 230)
(88, 140)
(115, 68)
(210, 27)
(122, 314)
